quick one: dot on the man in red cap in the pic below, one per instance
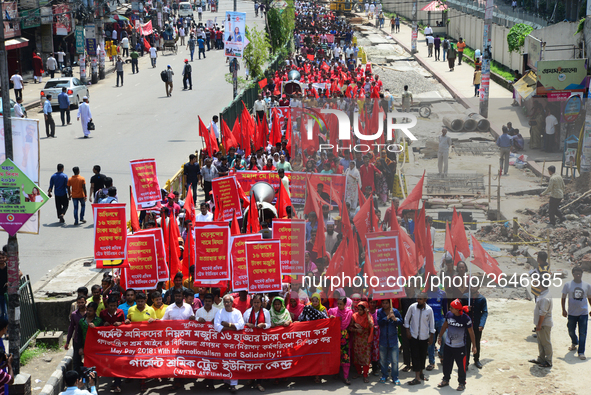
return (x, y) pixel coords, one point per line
(172, 205)
(457, 321)
(187, 76)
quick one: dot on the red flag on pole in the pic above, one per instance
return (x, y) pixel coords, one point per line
(263, 83)
(283, 201)
(483, 260)
(189, 205)
(412, 200)
(253, 224)
(234, 229)
(365, 220)
(135, 223)
(175, 263)
(420, 237)
(204, 132)
(188, 252)
(247, 124)
(360, 196)
(236, 132)
(228, 137)
(275, 129)
(406, 245)
(288, 131)
(458, 235)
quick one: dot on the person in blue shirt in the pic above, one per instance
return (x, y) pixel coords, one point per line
(389, 319)
(129, 301)
(201, 44)
(504, 143)
(59, 180)
(437, 299)
(478, 312)
(74, 384)
(47, 114)
(64, 101)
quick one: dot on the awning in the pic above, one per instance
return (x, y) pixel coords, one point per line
(435, 6)
(15, 43)
(526, 86)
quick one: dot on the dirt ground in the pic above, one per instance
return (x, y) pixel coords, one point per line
(40, 370)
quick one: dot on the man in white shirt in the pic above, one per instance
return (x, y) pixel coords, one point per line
(51, 65)
(213, 127)
(60, 58)
(550, 137)
(18, 110)
(208, 312)
(182, 35)
(260, 107)
(336, 51)
(179, 310)
(17, 81)
(443, 152)
(125, 46)
(205, 215)
(153, 56)
(229, 319)
(420, 327)
(428, 32)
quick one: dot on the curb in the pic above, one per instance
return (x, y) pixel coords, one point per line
(38, 286)
(56, 381)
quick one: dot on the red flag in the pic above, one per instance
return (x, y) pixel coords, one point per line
(320, 241)
(189, 248)
(360, 196)
(483, 260)
(165, 235)
(310, 56)
(242, 195)
(135, 223)
(236, 132)
(263, 83)
(412, 200)
(247, 124)
(458, 235)
(219, 210)
(283, 201)
(420, 237)
(262, 133)
(147, 45)
(288, 131)
(234, 229)
(253, 224)
(428, 251)
(365, 220)
(204, 132)
(275, 129)
(189, 205)
(333, 131)
(173, 247)
(406, 245)
(228, 136)
(449, 244)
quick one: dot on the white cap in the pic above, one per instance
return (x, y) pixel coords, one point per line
(85, 98)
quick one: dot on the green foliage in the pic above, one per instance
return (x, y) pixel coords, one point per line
(516, 36)
(33, 352)
(257, 53)
(280, 25)
(495, 67)
(580, 27)
(242, 82)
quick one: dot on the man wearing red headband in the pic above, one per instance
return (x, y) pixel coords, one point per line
(457, 321)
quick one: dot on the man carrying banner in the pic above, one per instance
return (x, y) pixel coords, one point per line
(114, 316)
(229, 319)
(141, 313)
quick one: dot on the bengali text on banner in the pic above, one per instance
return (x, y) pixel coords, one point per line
(110, 231)
(146, 189)
(163, 274)
(212, 250)
(264, 266)
(142, 272)
(225, 191)
(292, 234)
(384, 260)
(238, 257)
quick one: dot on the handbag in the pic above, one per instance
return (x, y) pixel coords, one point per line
(90, 125)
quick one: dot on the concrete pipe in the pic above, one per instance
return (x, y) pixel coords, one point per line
(469, 123)
(453, 124)
(483, 124)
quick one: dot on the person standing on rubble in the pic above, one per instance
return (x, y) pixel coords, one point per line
(556, 191)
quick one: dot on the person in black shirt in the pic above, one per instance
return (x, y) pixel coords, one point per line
(222, 165)
(97, 182)
(192, 175)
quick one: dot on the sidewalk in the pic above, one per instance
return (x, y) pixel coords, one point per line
(459, 84)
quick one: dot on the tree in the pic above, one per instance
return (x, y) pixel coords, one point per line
(280, 25)
(257, 52)
(517, 35)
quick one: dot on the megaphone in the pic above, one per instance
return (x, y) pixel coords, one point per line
(263, 192)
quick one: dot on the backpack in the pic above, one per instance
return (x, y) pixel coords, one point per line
(164, 76)
(101, 195)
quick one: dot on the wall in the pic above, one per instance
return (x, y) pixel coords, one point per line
(559, 34)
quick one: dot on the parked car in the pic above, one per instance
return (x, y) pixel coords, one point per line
(75, 88)
(12, 103)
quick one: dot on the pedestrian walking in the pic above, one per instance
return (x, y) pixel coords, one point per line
(445, 47)
(437, 45)
(125, 46)
(59, 181)
(556, 191)
(134, 61)
(478, 312)
(191, 45)
(200, 12)
(430, 43)
(451, 57)
(201, 43)
(578, 293)
(406, 99)
(460, 47)
(47, 113)
(61, 56)
(37, 68)
(51, 65)
(84, 115)
(397, 21)
(168, 83)
(153, 56)
(504, 144)
(77, 194)
(420, 327)
(514, 5)
(187, 76)
(17, 82)
(119, 70)
(549, 138)
(64, 103)
(443, 152)
(182, 35)
(543, 322)
(457, 323)
(18, 108)
(476, 81)
(428, 32)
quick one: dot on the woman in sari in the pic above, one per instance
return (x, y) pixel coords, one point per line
(295, 306)
(353, 183)
(362, 326)
(279, 314)
(345, 314)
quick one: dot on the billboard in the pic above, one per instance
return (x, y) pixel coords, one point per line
(555, 76)
(234, 34)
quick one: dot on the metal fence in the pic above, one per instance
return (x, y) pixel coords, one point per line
(29, 319)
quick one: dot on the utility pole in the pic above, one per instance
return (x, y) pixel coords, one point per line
(486, 58)
(14, 323)
(234, 63)
(100, 34)
(415, 28)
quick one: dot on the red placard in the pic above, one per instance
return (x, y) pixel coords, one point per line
(163, 274)
(292, 234)
(384, 261)
(190, 349)
(212, 251)
(110, 231)
(143, 262)
(238, 259)
(146, 189)
(225, 191)
(263, 260)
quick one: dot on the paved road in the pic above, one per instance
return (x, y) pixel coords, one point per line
(132, 122)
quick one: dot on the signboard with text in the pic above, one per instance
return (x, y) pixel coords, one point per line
(146, 189)
(212, 250)
(225, 191)
(142, 272)
(110, 231)
(292, 234)
(238, 260)
(384, 260)
(263, 260)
